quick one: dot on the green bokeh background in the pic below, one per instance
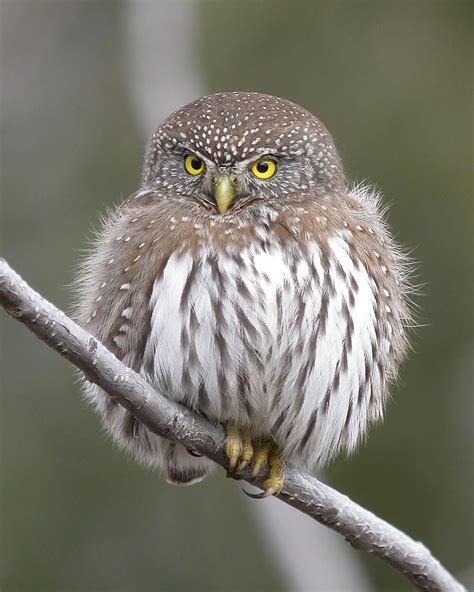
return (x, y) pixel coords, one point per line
(392, 80)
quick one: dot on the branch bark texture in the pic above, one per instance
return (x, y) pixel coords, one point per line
(170, 420)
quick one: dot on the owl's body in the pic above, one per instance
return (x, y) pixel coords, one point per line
(285, 315)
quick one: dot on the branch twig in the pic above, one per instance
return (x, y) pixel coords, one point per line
(360, 527)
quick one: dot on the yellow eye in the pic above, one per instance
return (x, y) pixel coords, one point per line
(264, 168)
(193, 164)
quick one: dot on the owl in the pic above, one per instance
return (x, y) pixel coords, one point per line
(247, 280)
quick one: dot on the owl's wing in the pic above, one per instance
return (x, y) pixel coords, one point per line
(114, 288)
(115, 283)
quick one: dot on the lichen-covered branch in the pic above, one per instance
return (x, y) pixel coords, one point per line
(360, 527)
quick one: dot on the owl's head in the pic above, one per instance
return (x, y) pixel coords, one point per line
(231, 149)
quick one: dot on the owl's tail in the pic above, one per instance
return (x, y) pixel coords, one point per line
(182, 467)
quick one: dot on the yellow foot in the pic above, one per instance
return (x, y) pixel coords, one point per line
(240, 452)
(268, 452)
(238, 447)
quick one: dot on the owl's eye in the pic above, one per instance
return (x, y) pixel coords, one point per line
(264, 168)
(193, 164)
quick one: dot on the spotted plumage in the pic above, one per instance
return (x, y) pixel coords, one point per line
(285, 313)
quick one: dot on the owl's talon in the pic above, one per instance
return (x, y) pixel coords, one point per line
(233, 445)
(247, 450)
(254, 495)
(261, 457)
(241, 466)
(194, 453)
(274, 484)
(240, 452)
(261, 495)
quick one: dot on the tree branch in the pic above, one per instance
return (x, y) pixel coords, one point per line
(170, 420)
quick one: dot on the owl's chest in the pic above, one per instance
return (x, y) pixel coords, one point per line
(233, 334)
(219, 317)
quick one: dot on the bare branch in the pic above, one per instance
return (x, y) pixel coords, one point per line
(170, 420)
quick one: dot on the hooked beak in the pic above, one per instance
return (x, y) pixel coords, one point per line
(224, 192)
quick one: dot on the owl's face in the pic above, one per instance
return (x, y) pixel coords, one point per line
(230, 150)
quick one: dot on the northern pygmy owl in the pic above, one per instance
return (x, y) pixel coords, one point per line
(247, 280)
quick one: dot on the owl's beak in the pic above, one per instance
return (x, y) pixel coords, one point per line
(224, 192)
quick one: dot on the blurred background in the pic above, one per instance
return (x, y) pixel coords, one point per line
(83, 84)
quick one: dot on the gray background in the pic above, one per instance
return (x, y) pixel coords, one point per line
(81, 83)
